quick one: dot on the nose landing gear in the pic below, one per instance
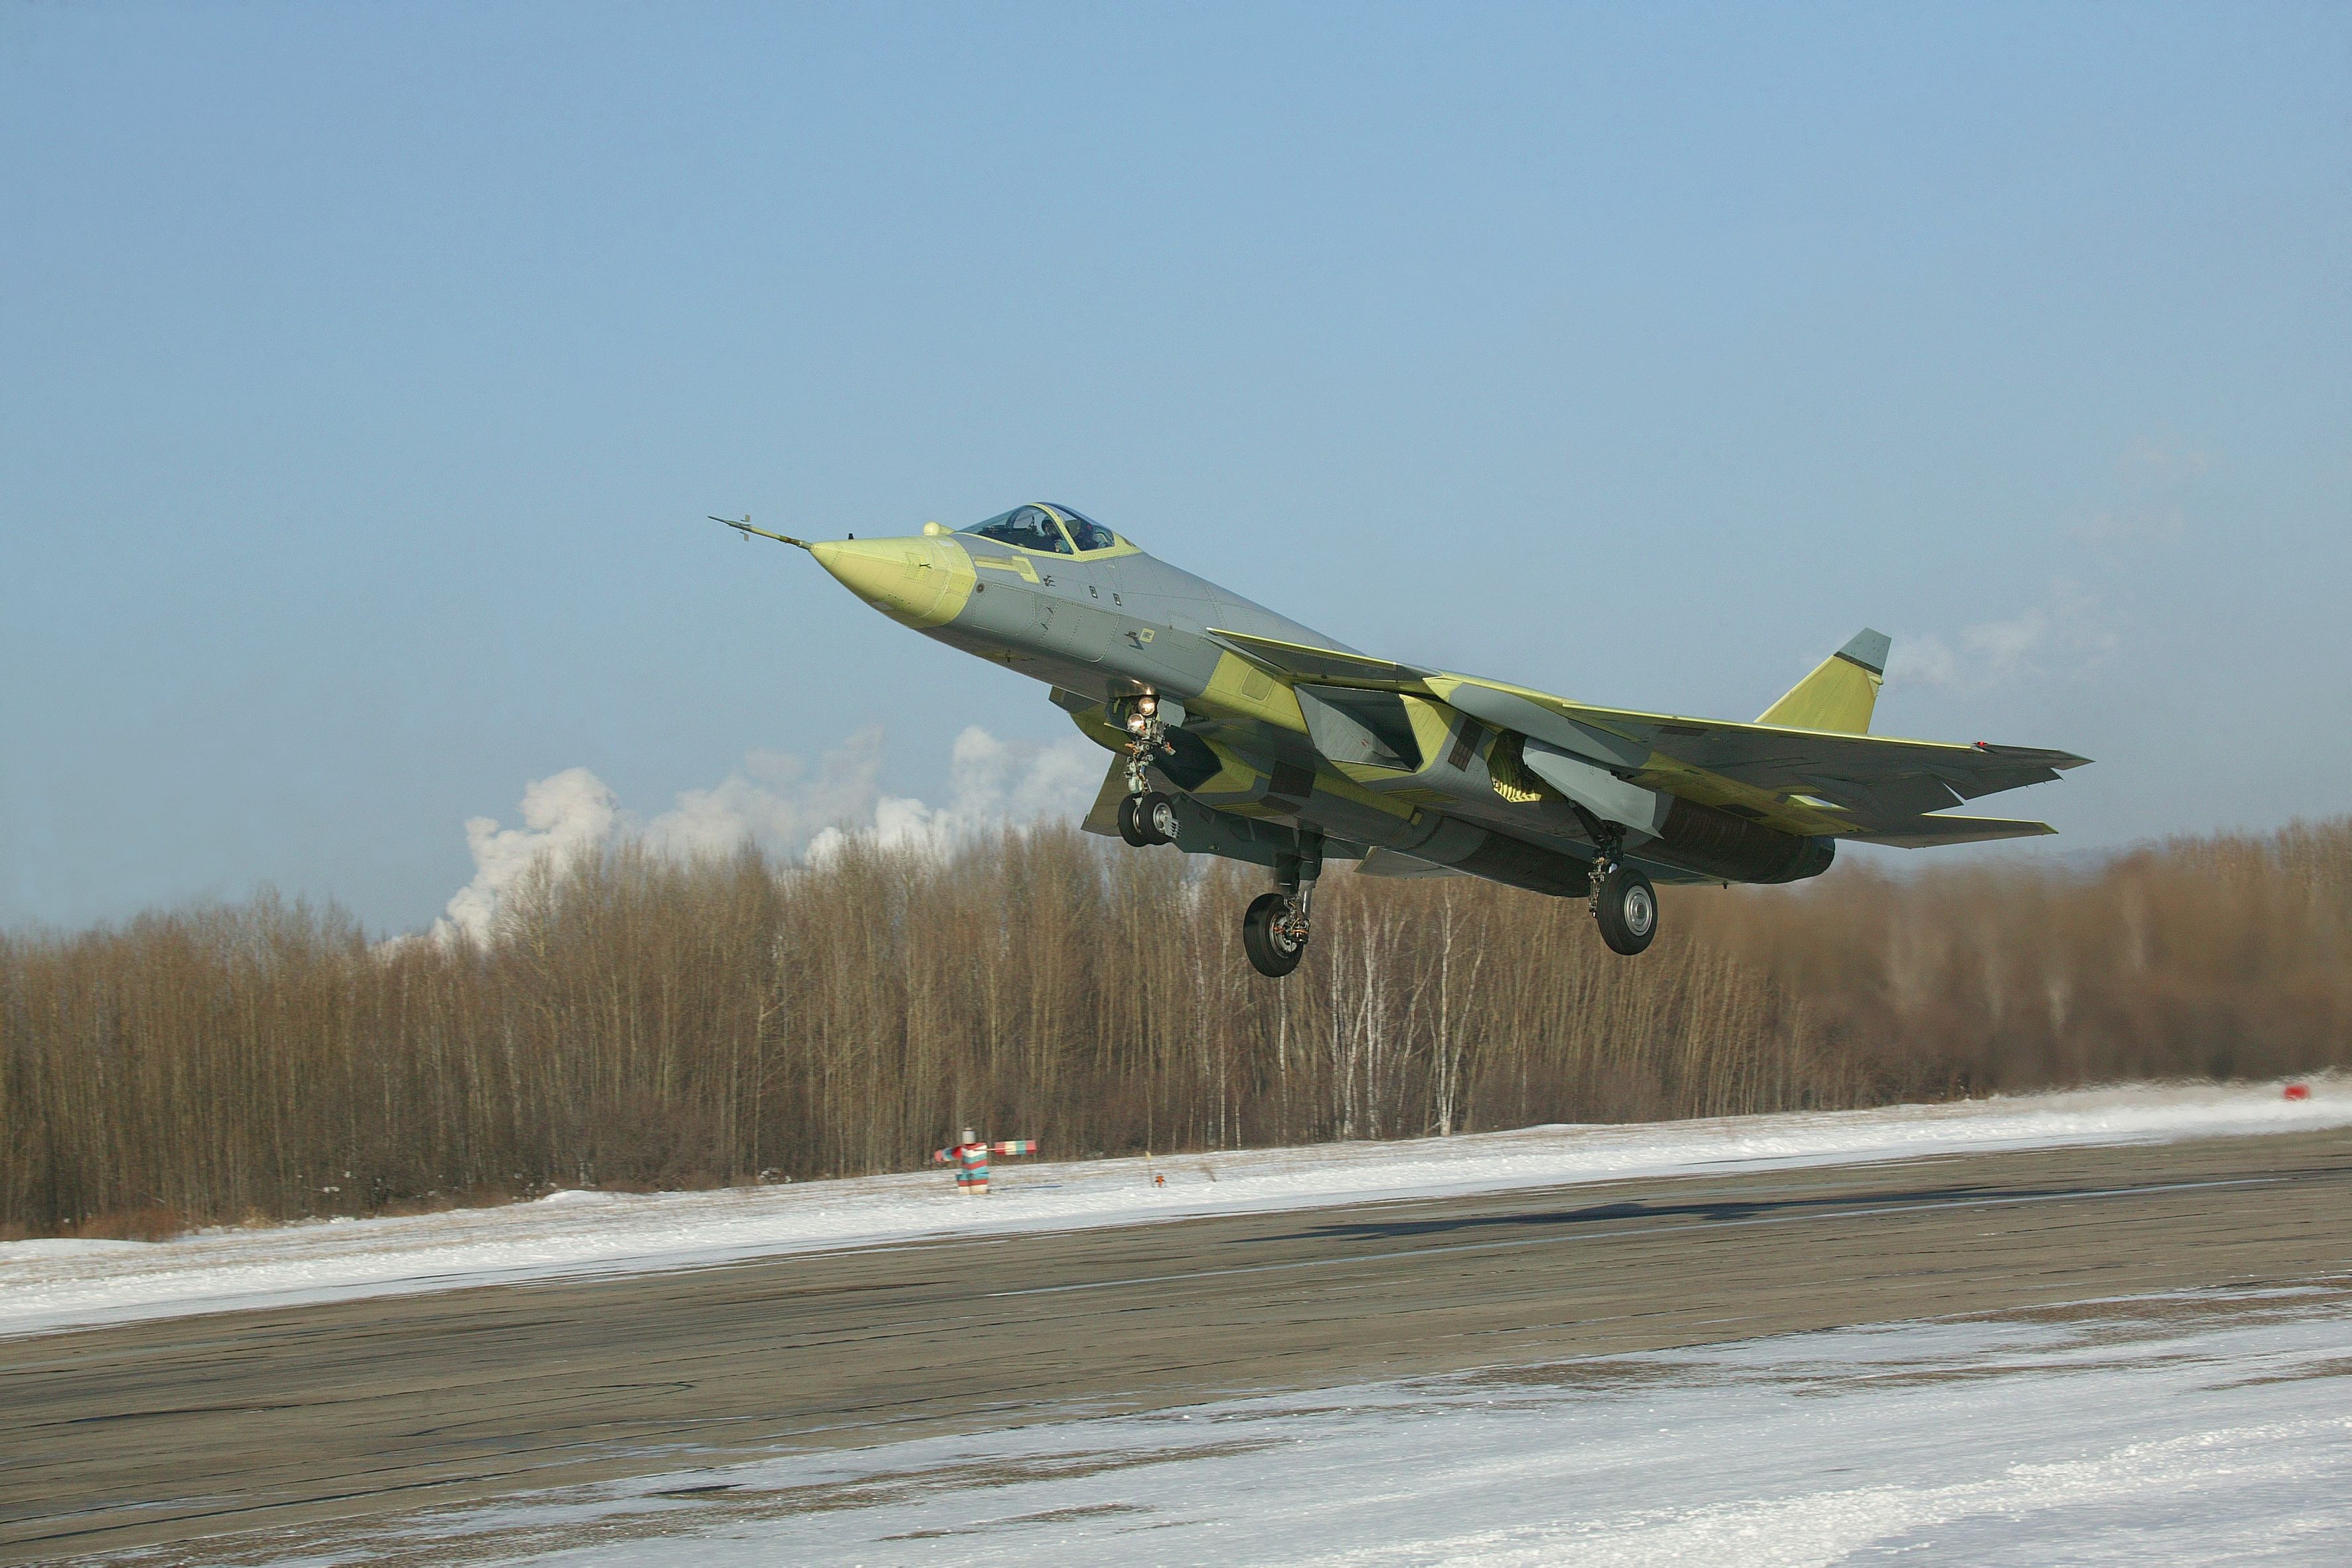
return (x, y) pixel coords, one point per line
(1146, 721)
(1147, 816)
(1147, 819)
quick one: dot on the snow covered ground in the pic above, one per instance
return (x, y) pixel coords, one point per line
(2197, 1428)
(48, 1285)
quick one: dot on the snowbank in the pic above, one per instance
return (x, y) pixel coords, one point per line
(48, 1285)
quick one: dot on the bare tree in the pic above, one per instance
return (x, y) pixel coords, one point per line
(641, 1021)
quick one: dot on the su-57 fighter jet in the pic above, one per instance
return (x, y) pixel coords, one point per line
(1242, 733)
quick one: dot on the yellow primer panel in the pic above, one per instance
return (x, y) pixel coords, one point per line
(1239, 689)
(1347, 781)
(1235, 777)
(917, 582)
(1432, 724)
(1663, 772)
(1017, 564)
(1838, 696)
(1332, 779)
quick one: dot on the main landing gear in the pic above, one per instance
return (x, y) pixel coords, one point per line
(1274, 931)
(1624, 905)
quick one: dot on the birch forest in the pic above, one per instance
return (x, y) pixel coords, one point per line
(642, 1023)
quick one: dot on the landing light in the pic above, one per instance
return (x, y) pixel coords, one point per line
(1148, 704)
(1135, 724)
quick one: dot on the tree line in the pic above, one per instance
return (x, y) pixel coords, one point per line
(645, 1022)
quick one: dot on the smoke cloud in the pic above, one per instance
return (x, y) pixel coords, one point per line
(782, 805)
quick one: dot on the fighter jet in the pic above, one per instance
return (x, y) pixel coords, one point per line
(1240, 733)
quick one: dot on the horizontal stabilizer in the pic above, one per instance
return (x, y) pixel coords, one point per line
(1763, 756)
(1925, 832)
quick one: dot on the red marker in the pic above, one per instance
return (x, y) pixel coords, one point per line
(2298, 1091)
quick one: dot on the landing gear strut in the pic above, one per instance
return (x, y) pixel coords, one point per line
(1275, 931)
(1146, 816)
(1624, 905)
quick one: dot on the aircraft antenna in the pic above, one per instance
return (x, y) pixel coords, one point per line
(747, 531)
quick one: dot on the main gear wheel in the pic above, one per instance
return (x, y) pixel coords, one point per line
(1274, 935)
(1626, 907)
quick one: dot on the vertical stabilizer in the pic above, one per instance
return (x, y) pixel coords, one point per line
(1840, 693)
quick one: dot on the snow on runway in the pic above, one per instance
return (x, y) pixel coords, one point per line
(47, 1285)
(2197, 1427)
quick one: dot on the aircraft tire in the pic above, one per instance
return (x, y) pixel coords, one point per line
(1129, 828)
(1626, 907)
(1155, 818)
(1270, 953)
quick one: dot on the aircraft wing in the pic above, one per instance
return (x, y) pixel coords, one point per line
(1325, 665)
(1877, 788)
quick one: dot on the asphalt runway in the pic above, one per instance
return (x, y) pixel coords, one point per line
(186, 1432)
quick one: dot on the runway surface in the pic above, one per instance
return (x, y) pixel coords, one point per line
(179, 1430)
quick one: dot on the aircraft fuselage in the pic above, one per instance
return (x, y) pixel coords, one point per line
(1259, 758)
(1245, 735)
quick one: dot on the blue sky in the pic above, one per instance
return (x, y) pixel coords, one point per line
(370, 369)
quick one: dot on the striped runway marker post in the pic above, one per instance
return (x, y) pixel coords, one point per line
(971, 1158)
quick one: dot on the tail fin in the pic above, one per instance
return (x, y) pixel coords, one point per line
(1840, 693)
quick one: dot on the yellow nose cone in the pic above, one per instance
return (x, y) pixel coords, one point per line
(917, 582)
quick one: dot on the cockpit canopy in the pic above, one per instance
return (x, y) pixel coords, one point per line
(1052, 527)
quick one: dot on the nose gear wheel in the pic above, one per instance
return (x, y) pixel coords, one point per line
(1148, 819)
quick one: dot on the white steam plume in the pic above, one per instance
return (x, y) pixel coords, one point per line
(782, 805)
(561, 815)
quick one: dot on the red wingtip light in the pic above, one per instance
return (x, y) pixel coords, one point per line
(2298, 1091)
